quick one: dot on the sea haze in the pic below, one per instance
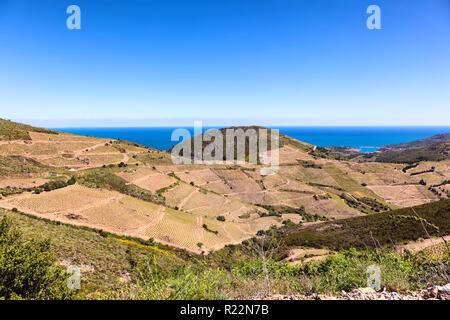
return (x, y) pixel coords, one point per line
(365, 138)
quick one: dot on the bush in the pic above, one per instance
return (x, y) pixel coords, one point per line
(27, 269)
(57, 184)
(221, 218)
(71, 181)
(198, 282)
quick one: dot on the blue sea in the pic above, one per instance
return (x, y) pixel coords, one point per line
(367, 139)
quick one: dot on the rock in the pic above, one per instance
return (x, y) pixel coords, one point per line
(444, 289)
(433, 292)
(366, 290)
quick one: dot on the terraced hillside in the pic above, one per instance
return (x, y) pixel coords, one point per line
(388, 228)
(128, 189)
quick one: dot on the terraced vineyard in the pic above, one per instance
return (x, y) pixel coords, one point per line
(128, 189)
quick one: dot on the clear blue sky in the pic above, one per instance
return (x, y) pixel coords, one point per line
(272, 62)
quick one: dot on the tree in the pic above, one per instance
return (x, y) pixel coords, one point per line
(27, 268)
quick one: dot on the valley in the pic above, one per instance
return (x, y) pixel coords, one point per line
(128, 189)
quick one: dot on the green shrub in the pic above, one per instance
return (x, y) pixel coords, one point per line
(71, 181)
(53, 185)
(348, 270)
(27, 269)
(198, 282)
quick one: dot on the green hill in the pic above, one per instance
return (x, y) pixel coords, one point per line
(433, 152)
(418, 143)
(376, 230)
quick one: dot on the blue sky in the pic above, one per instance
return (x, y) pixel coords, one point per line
(269, 62)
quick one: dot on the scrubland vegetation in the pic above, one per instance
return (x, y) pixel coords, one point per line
(27, 268)
(435, 152)
(10, 130)
(387, 228)
(120, 268)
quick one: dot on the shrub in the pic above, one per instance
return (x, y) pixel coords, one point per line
(288, 222)
(198, 282)
(349, 269)
(27, 269)
(209, 230)
(57, 184)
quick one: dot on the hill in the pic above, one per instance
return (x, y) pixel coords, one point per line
(128, 189)
(435, 148)
(207, 138)
(438, 138)
(115, 267)
(10, 130)
(387, 228)
(430, 152)
(148, 227)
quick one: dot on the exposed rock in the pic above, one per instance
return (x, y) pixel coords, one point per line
(444, 289)
(436, 292)
(366, 290)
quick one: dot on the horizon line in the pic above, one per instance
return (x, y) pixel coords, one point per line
(255, 125)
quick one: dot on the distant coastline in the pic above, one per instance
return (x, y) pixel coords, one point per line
(362, 139)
